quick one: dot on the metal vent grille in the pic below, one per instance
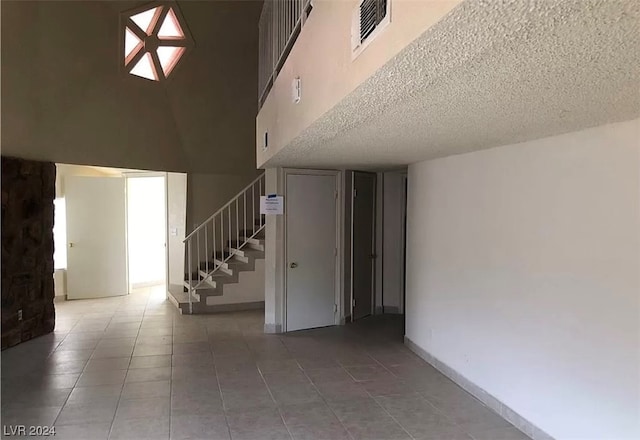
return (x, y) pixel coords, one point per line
(372, 12)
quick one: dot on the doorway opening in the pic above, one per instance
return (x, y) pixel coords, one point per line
(146, 231)
(110, 231)
(363, 247)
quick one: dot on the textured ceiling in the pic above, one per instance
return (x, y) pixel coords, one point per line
(65, 99)
(490, 73)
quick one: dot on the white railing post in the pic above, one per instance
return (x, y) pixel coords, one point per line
(230, 233)
(237, 224)
(260, 192)
(198, 254)
(221, 240)
(215, 251)
(189, 289)
(206, 250)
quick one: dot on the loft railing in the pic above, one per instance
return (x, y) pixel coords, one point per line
(217, 239)
(280, 24)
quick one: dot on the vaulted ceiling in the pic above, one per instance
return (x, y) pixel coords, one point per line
(66, 99)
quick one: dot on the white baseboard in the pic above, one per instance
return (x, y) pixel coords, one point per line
(482, 395)
(235, 307)
(272, 328)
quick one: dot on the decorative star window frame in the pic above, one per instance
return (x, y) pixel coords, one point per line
(154, 38)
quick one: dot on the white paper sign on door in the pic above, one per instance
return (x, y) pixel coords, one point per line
(272, 204)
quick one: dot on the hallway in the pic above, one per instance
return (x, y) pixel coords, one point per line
(133, 368)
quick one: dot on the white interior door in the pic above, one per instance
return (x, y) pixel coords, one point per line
(311, 251)
(96, 235)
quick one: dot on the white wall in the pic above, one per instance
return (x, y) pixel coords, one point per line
(522, 275)
(274, 258)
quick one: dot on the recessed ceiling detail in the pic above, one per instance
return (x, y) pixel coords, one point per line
(155, 39)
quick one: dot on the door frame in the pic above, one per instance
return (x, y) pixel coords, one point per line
(373, 241)
(136, 174)
(339, 234)
(403, 280)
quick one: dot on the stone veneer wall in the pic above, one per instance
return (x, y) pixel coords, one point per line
(28, 191)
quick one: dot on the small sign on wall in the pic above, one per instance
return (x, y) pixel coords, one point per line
(272, 204)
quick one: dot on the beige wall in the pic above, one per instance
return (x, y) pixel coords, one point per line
(248, 289)
(522, 276)
(64, 98)
(321, 57)
(209, 192)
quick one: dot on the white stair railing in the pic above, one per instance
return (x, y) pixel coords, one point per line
(218, 238)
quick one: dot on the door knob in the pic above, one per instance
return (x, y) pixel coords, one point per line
(293, 265)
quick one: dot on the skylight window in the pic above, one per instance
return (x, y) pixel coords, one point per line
(147, 19)
(155, 39)
(171, 27)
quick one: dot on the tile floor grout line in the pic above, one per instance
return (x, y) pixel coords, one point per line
(215, 370)
(327, 403)
(115, 414)
(273, 399)
(245, 337)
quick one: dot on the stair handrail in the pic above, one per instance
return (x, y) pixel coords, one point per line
(204, 274)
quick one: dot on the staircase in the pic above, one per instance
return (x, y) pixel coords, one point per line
(226, 244)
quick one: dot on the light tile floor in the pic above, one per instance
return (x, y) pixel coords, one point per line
(134, 368)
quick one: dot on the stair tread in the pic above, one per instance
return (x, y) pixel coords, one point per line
(206, 285)
(179, 295)
(249, 250)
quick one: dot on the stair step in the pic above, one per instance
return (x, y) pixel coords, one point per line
(247, 252)
(236, 264)
(181, 299)
(206, 288)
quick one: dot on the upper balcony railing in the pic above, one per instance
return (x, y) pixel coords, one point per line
(280, 24)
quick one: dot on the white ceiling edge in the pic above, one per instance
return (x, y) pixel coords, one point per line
(488, 74)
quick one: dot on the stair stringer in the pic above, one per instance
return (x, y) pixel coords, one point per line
(248, 289)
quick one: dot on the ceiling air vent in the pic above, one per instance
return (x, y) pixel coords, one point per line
(369, 18)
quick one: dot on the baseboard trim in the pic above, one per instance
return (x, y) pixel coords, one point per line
(272, 328)
(482, 395)
(59, 298)
(235, 307)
